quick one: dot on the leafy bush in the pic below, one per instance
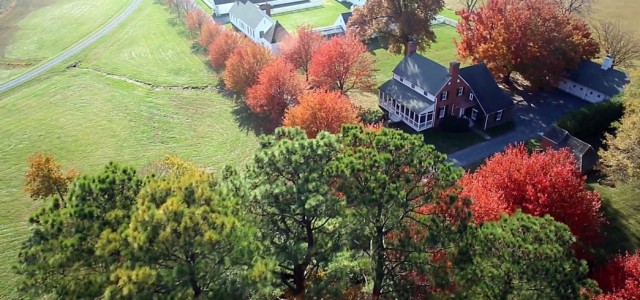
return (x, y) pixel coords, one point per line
(592, 120)
(453, 124)
(370, 116)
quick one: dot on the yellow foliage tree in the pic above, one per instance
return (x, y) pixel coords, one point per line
(620, 158)
(45, 178)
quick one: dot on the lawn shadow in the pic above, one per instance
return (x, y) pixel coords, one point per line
(618, 236)
(243, 116)
(444, 142)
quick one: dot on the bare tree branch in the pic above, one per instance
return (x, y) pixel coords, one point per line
(623, 45)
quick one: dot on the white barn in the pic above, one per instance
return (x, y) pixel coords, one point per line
(593, 82)
(257, 24)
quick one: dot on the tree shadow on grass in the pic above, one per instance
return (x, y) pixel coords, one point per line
(618, 237)
(243, 116)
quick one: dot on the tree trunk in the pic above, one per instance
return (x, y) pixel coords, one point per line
(299, 280)
(379, 263)
(193, 282)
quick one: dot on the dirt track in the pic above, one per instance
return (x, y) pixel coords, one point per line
(9, 20)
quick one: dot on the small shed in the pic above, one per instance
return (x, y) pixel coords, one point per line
(558, 138)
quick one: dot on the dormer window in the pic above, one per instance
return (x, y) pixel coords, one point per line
(445, 95)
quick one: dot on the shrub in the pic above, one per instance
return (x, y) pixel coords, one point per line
(592, 120)
(453, 124)
(370, 116)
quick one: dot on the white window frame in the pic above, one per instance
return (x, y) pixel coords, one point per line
(499, 115)
(474, 114)
(443, 111)
(471, 96)
(460, 91)
(445, 95)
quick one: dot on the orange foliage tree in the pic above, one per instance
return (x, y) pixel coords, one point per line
(619, 278)
(244, 66)
(196, 18)
(539, 184)
(221, 48)
(342, 64)
(45, 178)
(299, 49)
(208, 33)
(278, 88)
(531, 37)
(321, 111)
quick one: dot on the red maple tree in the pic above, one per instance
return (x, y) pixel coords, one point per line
(244, 65)
(279, 87)
(342, 64)
(538, 184)
(196, 18)
(299, 49)
(208, 33)
(321, 111)
(221, 48)
(619, 278)
(531, 37)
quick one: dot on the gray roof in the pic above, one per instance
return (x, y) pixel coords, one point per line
(583, 153)
(248, 12)
(590, 74)
(408, 97)
(345, 17)
(485, 88)
(276, 33)
(425, 73)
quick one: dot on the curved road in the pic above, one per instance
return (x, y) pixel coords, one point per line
(71, 51)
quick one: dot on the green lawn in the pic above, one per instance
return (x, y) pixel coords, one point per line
(160, 54)
(621, 205)
(451, 14)
(315, 17)
(204, 6)
(87, 119)
(46, 32)
(442, 51)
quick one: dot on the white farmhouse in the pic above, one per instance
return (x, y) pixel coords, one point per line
(257, 24)
(594, 82)
(223, 7)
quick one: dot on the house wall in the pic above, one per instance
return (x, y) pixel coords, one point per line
(356, 2)
(489, 120)
(581, 91)
(454, 105)
(340, 22)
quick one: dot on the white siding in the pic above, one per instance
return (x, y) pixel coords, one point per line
(414, 87)
(581, 91)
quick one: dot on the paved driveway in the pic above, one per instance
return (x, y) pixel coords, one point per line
(533, 114)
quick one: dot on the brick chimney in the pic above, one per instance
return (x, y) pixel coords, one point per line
(454, 68)
(410, 48)
(267, 8)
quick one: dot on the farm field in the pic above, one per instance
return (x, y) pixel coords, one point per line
(150, 55)
(87, 119)
(65, 22)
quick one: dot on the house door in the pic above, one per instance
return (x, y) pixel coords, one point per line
(467, 112)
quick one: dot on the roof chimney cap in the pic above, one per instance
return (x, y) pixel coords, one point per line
(411, 47)
(607, 63)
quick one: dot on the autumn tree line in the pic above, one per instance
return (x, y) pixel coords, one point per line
(368, 213)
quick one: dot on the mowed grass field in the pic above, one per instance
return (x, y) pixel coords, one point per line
(87, 119)
(314, 17)
(48, 31)
(146, 52)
